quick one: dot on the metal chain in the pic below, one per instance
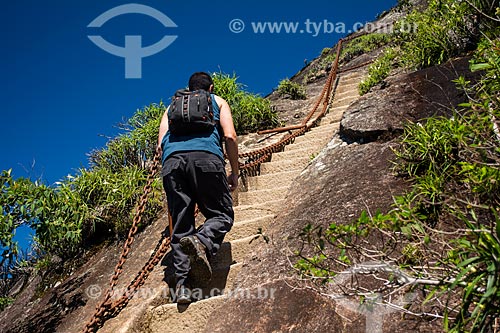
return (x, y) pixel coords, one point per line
(264, 153)
(107, 308)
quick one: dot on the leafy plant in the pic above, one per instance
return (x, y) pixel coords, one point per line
(423, 38)
(136, 146)
(313, 156)
(5, 302)
(378, 71)
(291, 89)
(55, 214)
(64, 216)
(363, 45)
(250, 112)
(479, 273)
(319, 68)
(111, 198)
(430, 44)
(343, 239)
(432, 145)
(444, 29)
(403, 4)
(325, 51)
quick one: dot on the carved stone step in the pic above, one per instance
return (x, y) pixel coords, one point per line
(248, 228)
(295, 164)
(250, 212)
(171, 318)
(234, 252)
(262, 196)
(324, 128)
(344, 87)
(308, 140)
(272, 180)
(297, 152)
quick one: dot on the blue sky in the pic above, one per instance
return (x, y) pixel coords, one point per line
(62, 95)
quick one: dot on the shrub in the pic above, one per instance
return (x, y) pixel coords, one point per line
(444, 29)
(56, 215)
(378, 71)
(5, 302)
(136, 146)
(291, 89)
(430, 37)
(363, 45)
(430, 44)
(65, 216)
(111, 198)
(250, 111)
(325, 51)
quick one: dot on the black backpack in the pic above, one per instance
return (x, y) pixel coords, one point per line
(191, 112)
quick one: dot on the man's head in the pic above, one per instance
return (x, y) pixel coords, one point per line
(201, 80)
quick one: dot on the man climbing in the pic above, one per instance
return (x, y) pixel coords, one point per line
(194, 173)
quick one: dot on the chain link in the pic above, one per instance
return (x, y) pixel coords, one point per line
(108, 309)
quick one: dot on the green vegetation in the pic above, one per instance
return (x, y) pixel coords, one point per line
(378, 71)
(362, 45)
(325, 51)
(250, 112)
(112, 196)
(319, 68)
(350, 50)
(291, 89)
(454, 167)
(430, 37)
(4, 302)
(98, 204)
(93, 205)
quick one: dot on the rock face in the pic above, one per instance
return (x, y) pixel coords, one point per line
(67, 306)
(286, 310)
(340, 183)
(382, 113)
(350, 172)
(336, 187)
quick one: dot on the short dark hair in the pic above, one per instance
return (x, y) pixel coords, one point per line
(200, 80)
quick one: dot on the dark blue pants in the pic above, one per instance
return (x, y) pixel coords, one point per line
(191, 178)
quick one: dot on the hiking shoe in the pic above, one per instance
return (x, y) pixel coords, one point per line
(200, 271)
(183, 294)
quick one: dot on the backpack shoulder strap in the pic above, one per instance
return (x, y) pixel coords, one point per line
(215, 105)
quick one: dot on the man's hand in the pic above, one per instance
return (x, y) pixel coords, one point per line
(232, 180)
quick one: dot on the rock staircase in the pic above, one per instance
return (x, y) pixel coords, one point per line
(254, 210)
